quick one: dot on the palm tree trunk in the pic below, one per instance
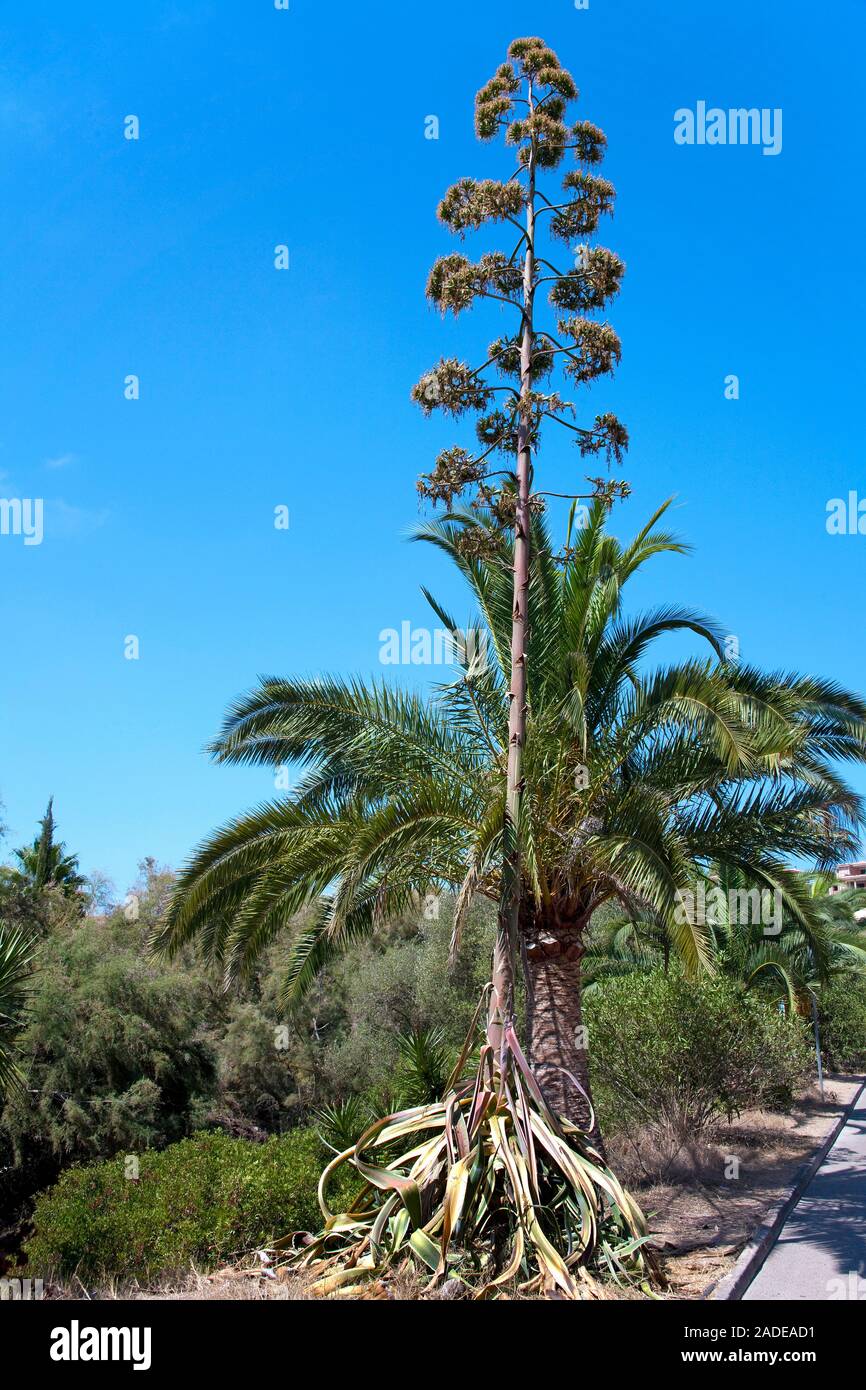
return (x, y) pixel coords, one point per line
(555, 1035)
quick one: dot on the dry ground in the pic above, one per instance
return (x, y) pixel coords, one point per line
(703, 1219)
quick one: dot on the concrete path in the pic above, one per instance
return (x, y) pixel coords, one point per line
(821, 1252)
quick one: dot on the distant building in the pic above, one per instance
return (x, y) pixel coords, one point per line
(850, 876)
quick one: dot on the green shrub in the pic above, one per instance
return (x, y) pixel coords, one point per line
(202, 1201)
(842, 1017)
(676, 1054)
(401, 984)
(114, 1051)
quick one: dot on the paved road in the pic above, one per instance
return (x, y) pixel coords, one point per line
(821, 1252)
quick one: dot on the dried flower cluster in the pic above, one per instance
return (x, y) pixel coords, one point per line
(455, 471)
(455, 282)
(470, 203)
(451, 386)
(592, 284)
(526, 101)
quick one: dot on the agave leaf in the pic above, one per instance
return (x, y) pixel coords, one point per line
(467, 1046)
(523, 1065)
(425, 1249)
(404, 1122)
(382, 1220)
(456, 1192)
(510, 1271)
(389, 1181)
(325, 1178)
(483, 1095)
(456, 1132)
(576, 1084)
(332, 1282)
(399, 1226)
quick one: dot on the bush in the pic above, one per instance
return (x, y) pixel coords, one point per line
(842, 1017)
(202, 1201)
(676, 1054)
(113, 1050)
(256, 1085)
(398, 985)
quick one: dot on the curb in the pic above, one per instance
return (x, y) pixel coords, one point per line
(734, 1284)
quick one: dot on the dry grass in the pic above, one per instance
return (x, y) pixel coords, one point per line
(227, 1284)
(245, 1284)
(251, 1286)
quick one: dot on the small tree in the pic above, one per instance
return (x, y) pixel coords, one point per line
(526, 100)
(45, 863)
(44, 848)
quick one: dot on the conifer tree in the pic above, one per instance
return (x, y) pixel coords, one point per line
(526, 101)
(45, 846)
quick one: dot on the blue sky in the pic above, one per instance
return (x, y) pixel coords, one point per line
(260, 388)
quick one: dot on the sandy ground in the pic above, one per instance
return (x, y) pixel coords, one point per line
(702, 1210)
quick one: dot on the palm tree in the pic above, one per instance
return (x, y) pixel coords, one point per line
(16, 956)
(787, 967)
(624, 945)
(794, 966)
(634, 781)
(45, 863)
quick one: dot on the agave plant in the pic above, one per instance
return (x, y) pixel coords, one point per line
(487, 1187)
(340, 1123)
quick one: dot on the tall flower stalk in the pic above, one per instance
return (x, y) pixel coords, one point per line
(534, 79)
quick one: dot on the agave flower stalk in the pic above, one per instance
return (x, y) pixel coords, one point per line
(502, 994)
(534, 79)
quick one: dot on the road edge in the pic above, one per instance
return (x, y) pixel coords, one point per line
(733, 1285)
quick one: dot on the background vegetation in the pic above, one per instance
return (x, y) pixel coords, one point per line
(229, 1109)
